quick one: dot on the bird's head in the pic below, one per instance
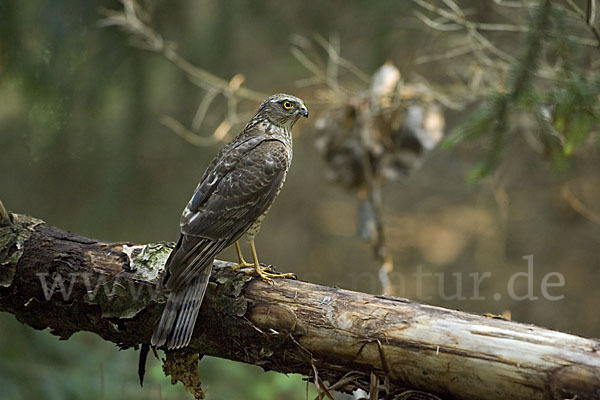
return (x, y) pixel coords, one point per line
(283, 110)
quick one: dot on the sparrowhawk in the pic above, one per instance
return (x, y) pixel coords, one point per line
(231, 200)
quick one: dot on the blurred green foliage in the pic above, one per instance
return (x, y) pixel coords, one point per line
(35, 366)
(567, 109)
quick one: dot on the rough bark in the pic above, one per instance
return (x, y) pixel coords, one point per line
(349, 338)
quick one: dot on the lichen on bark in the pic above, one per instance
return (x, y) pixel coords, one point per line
(14, 232)
(128, 292)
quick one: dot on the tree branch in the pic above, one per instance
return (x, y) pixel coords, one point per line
(50, 278)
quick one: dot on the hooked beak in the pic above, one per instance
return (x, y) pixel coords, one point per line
(303, 111)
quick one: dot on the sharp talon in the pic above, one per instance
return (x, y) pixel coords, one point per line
(250, 271)
(241, 266)
(264, 276)
(283, 276)
(268, 268)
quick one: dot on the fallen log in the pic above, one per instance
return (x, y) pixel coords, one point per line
(57, 280)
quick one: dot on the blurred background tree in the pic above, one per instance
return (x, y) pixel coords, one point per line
(84, 145)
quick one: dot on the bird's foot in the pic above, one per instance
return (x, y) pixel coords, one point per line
(242, 264)
(267, 274)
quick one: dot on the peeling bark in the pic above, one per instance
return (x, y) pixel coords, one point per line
(50, 278)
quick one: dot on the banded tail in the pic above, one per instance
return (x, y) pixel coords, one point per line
(189, 267)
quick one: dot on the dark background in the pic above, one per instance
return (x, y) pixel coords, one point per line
(82, 148)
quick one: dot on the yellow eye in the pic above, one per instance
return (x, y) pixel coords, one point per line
(287, 105)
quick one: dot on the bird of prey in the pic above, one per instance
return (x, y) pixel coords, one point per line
(231, 200)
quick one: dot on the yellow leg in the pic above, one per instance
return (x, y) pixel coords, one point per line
(241, 262)
(262, 272)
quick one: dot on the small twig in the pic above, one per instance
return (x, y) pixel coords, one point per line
(588, 16)
(350, 377)
(205, 76)
(440, 26)
(575, 39)
(331, 46)
(333, 53)
(384, 363)
(578, 206)
(463, 23)
(134, 20)
(448, 54)
(321, 388)
(386, 269)
(471, 27)
(423, 86)
(203, 108)
(416, 394)
(4, 216)
(374, 387)
(454, 7)
(304, 349)
(306, 62)
(591, 13)
(181, 131)
(374, 196)
(490, 46)
(515, 4)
